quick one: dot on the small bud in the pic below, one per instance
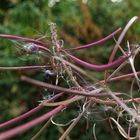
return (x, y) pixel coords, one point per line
(48, 74)
(31, 48)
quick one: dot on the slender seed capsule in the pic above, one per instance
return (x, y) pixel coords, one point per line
(94, 67)
(95, 43)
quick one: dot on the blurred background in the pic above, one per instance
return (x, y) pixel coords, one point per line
(78, 22)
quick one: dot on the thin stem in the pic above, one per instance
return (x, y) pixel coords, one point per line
(14, 131)
(117, 78)
(61, 89)
(29, 113)
(129, 24)
(95, 43)
(24, 67)
(113, 102)
(41, 45)
(99, 67)
(44, 49)
(61, 130)
(65, 102)
(21, 117)
(41, 130)
(78, 69)
(24, 39)
(66, 133)
(123, 105)
(94, 93)
(116, 70)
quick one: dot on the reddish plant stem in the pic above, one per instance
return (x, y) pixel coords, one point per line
(120, 77)
(99, 67)
(29, 113)
(28, 67)
(113, 102)
(24, 39)
(24, 67)
(57, 88)
(41, 45)
(21, 117)
(123, 105)
(129, 24)
(14, 131)
(44, 49)
(65, 90)
(94, 43)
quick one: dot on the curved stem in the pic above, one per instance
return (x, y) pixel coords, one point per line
(121, 37)
(94, 43)
(99, 67)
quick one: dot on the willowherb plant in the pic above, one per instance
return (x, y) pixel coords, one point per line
(90, 96)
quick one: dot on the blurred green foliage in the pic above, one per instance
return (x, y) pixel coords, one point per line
(78, 23)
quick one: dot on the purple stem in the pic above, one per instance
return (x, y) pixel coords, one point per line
(21, 117)
(99, 67)
(27, 114)
(122, 77)
(129, 24)
(14, 131)
(25, 39)
(94, 93)
(58, 88)
(24, 67)
(44, 49)
(94, 43)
